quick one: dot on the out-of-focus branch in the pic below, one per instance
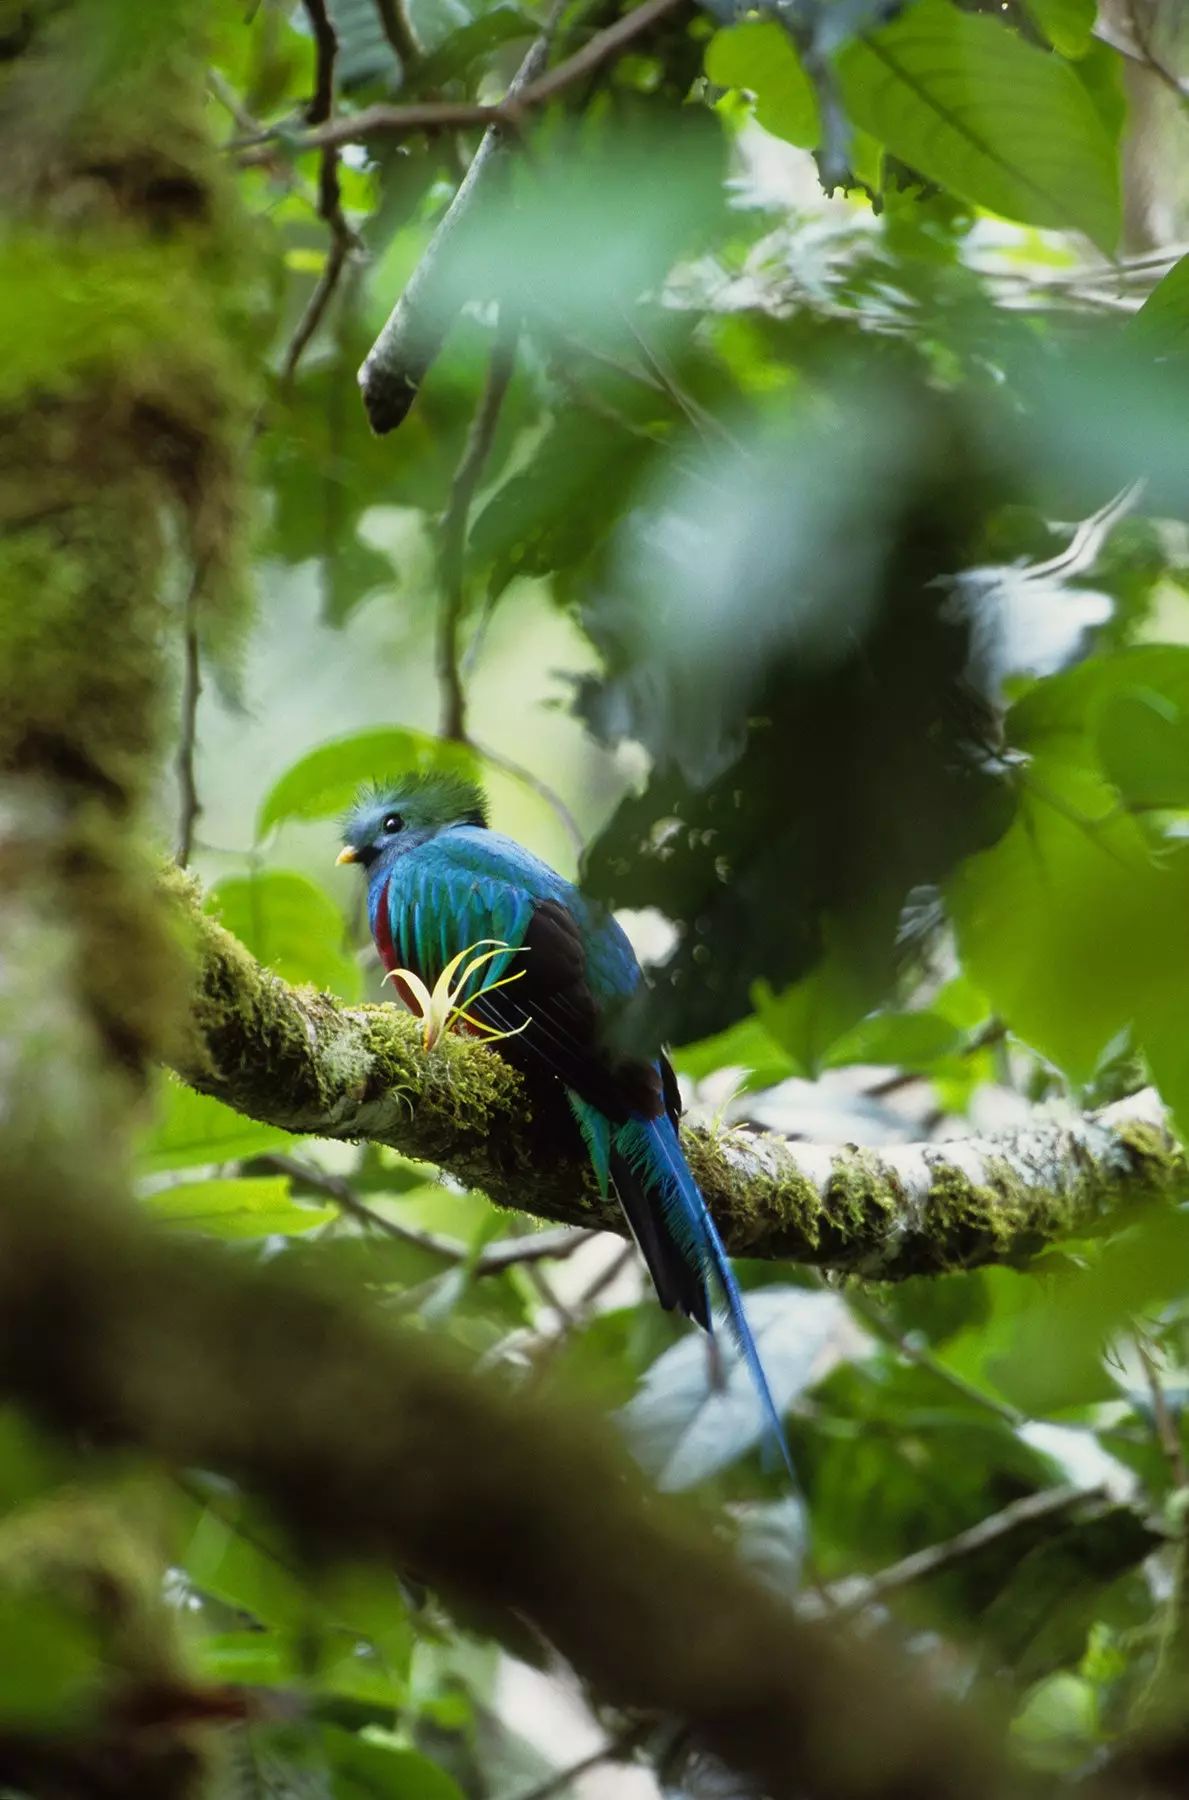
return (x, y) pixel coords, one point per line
(330, 199)
(371, 1443)
(302, 1061)
(414, 333)
(415, 330)
(508, 1253)
(398, 29)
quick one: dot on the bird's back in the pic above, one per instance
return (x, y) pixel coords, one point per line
(472, 880)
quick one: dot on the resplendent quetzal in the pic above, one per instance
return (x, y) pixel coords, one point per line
(441, 883)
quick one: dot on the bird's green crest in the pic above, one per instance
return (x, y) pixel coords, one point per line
(435, 797)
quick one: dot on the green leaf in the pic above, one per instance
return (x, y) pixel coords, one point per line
(1074, 932)
(1143, 743)
(247, 1207)
(760, 56)
(325, 781)
(501, 25)
(1068, 24)
(1002, 124)
(194, 1128)
(246, 1574)
(367, 1770)
(289, 925)
(1054, 1357)
(258, 1658)
(808, 1017)
(743, 1046)
(1163, 319)
(1058, 1725)
(900, 1040)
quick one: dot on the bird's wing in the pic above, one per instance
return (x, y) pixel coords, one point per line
(467, 887)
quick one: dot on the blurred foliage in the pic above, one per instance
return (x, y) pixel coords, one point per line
(821, 388)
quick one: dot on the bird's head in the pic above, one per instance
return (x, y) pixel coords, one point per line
(393, 817)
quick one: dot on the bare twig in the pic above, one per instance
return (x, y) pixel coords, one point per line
(855, 1593)
(873, 1317)
(508, 1253)
(519, 773)
(415, 330)
(190, 806)
(326, 45)
(398, 362)
(618, 1749)
(398, 29)
(601, 48)
(1167, 1432)
(525, 91)
(330, 200)
(453, 533)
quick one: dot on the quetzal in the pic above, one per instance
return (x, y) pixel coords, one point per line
(440, 883)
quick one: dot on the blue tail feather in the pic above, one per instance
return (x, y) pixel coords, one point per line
(652, 1148)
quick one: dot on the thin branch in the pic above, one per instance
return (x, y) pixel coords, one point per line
(403, 353)
(190, 805)
(518, 772)
(415, 330)
(601, 48)
(873, 1317)
(301, 1061)
(1167, 1431)
(858, 1592)
(398, 29)
(617, 1749)
(453, 531)
(508, 1253)
(524, 92)
(330, 200)
(326, 45)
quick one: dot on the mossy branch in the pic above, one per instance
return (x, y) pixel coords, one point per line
(302, 1061)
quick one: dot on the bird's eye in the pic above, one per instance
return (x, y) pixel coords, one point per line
(393, 822)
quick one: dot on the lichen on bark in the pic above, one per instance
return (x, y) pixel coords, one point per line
(297, 1059)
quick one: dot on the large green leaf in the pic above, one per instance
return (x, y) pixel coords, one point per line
(760, 56)
(289, 925)
(1068, 24)
(1076, 932)
(367, 1770)
(1000, 123)
(247, 1207)
(1143, 743)
(194, 1128)
(1163, 319)
(326, 780)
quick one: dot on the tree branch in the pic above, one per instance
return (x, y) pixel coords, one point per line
(370, 1442)
(302, 1061)
(413, 335)
(330, 199)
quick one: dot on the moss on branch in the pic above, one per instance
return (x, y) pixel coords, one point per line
(299, 1060)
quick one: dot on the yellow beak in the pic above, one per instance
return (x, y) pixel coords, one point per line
(346, 854)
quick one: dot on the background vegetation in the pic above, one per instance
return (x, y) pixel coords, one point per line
(778, 498)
